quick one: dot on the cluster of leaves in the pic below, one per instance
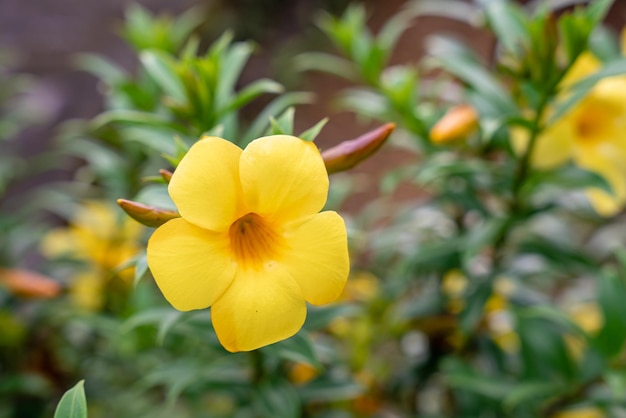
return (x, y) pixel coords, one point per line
(491, 217)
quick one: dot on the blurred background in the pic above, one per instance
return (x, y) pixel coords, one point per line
(46, 94)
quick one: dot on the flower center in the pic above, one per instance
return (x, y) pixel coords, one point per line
(597, 120)
(253, 240)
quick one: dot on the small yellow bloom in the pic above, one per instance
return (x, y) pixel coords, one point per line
(362, 286)
(591, 134)
(302, 373)
(102, 239)
(250, 242)
(98, 236)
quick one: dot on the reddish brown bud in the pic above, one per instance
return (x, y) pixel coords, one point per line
(166, 175)
(29, 284)
(457, 123)
(348, 154)
(147, 215)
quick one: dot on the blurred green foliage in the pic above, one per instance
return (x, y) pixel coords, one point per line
(498, 293)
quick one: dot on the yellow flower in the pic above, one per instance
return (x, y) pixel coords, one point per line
(103, 239)
(98, 236)
(250, 242)
(591, 134)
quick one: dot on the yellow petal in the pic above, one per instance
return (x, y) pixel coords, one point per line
(283, 177)
(191, 265)
(623, 40)
(585, 65)
(317, 258)
(261, 307)
(603, 203)
(610, 164)
(59, 242)
(205, 185)
(553, 147)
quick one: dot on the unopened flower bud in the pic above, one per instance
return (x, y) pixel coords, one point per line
(29, 284)
(166, 175)
(350, 153)
(148, 215)
(457, 123)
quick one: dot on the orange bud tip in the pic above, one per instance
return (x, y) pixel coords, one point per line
(166, 175)
(147, 215)
(29, 284)
(349, 153)
(458, 123)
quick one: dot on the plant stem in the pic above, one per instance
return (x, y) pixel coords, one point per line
(258, 369)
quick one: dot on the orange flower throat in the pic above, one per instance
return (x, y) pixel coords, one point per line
(253, 240)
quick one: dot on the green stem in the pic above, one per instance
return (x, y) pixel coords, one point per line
(258, 370)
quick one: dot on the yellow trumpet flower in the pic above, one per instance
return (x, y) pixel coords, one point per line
(250, 242)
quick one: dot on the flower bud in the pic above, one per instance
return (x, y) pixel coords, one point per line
(166, 175)
(350, 153)
(147, 215)
(457, 123)
(29, 284)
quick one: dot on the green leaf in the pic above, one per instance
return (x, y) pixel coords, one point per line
(319, 317)
(326, 390)
(185, 24)
(275, 107)
(529, 391)
(73, 403)
(162, 68)
(565, 177)
(251, 92)
(312, 133)
(276, 398)
(597, 10)
(475, 304)
(509, 23)
(231, 65)
(453, 9)
(327, 63)
(141, 268)
(611, 297)
(462, 63)
(604, 45)
(393, 29)
(283, 125)
(366, 102)
(482, 385)
(134, 117)
(544, 353)
(298, 349)
(102, 68)
(564, 256)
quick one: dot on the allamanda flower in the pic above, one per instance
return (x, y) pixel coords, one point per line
(103, 242)
(591, 134)
(250, 242)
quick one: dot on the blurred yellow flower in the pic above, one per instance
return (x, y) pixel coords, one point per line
(588, 316)
(301, 373)
(591, 134)
(362, 286)
(250, 242)
(103, 239)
